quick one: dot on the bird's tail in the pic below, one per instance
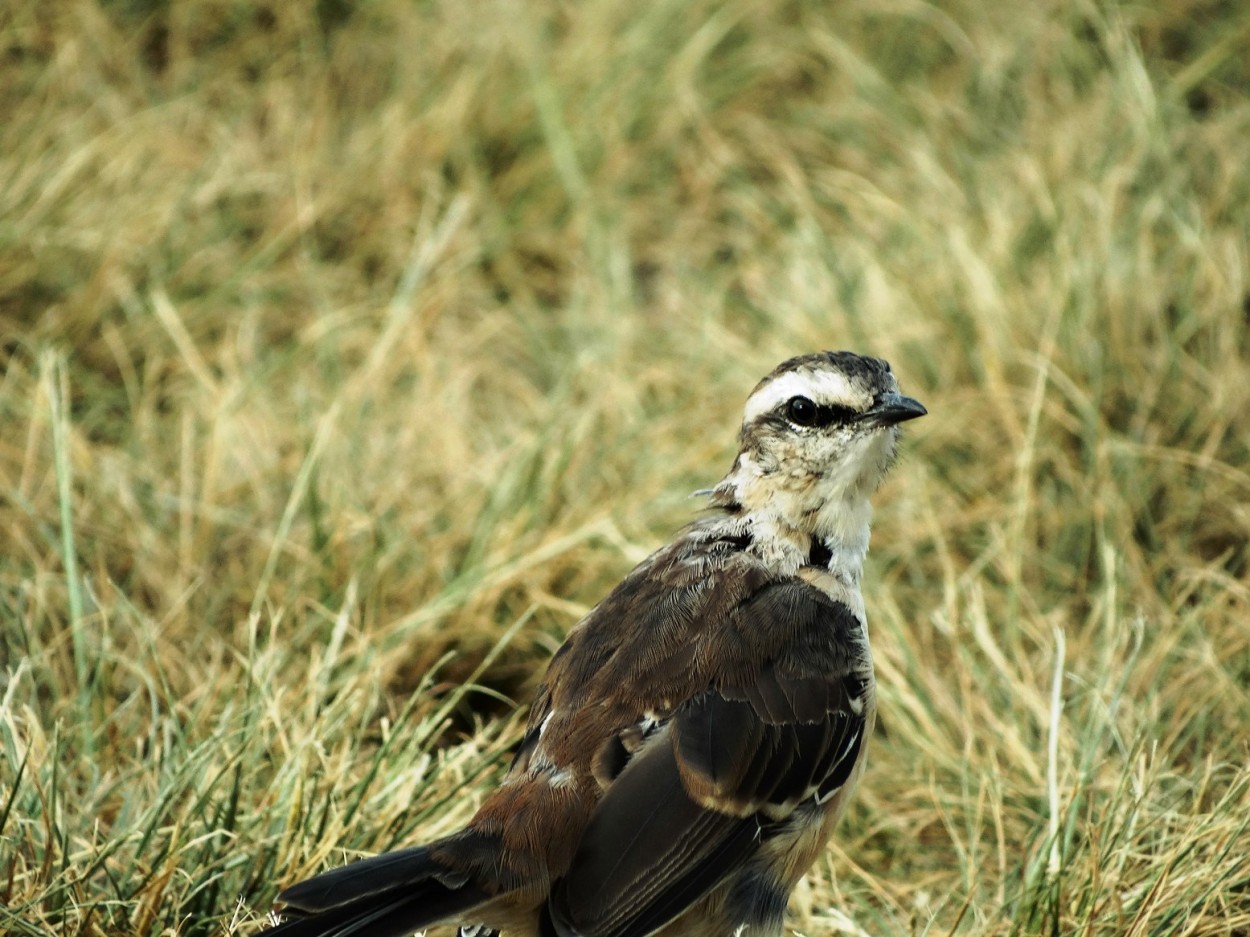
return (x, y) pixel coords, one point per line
(390, 895)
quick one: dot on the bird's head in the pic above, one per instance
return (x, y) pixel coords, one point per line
(818, 436)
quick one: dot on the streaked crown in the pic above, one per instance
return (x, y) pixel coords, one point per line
(844, 388)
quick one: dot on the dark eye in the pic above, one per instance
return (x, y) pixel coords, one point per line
(802, 412)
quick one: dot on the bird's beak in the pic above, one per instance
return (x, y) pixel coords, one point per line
(889, 409)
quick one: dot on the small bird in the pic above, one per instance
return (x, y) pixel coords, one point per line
(699, 733)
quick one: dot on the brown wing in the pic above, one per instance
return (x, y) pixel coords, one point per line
(783, 724)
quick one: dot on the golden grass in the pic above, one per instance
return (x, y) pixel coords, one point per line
(351, 352)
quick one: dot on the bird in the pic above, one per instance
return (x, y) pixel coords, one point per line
(697, 736)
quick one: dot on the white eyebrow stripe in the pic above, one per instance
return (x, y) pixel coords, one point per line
(824, 387)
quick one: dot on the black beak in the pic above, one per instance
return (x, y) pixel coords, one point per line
(891, 408)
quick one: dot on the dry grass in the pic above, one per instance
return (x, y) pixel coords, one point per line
(352, 351)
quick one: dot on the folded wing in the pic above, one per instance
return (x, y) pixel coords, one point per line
(782, 727)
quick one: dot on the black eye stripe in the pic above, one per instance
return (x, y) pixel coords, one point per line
(802, 411)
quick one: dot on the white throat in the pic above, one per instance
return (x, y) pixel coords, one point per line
(785, 522)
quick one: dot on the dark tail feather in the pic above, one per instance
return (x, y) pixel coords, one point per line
(390, 895)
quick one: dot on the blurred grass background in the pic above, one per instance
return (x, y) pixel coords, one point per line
(351, 352)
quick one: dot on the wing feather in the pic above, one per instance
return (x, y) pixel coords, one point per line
(692, 806)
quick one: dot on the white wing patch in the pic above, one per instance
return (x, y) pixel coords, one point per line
(852, 739)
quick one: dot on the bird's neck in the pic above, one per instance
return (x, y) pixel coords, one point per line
(793, 529)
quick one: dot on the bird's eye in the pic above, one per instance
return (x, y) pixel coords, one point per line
(802, 412)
